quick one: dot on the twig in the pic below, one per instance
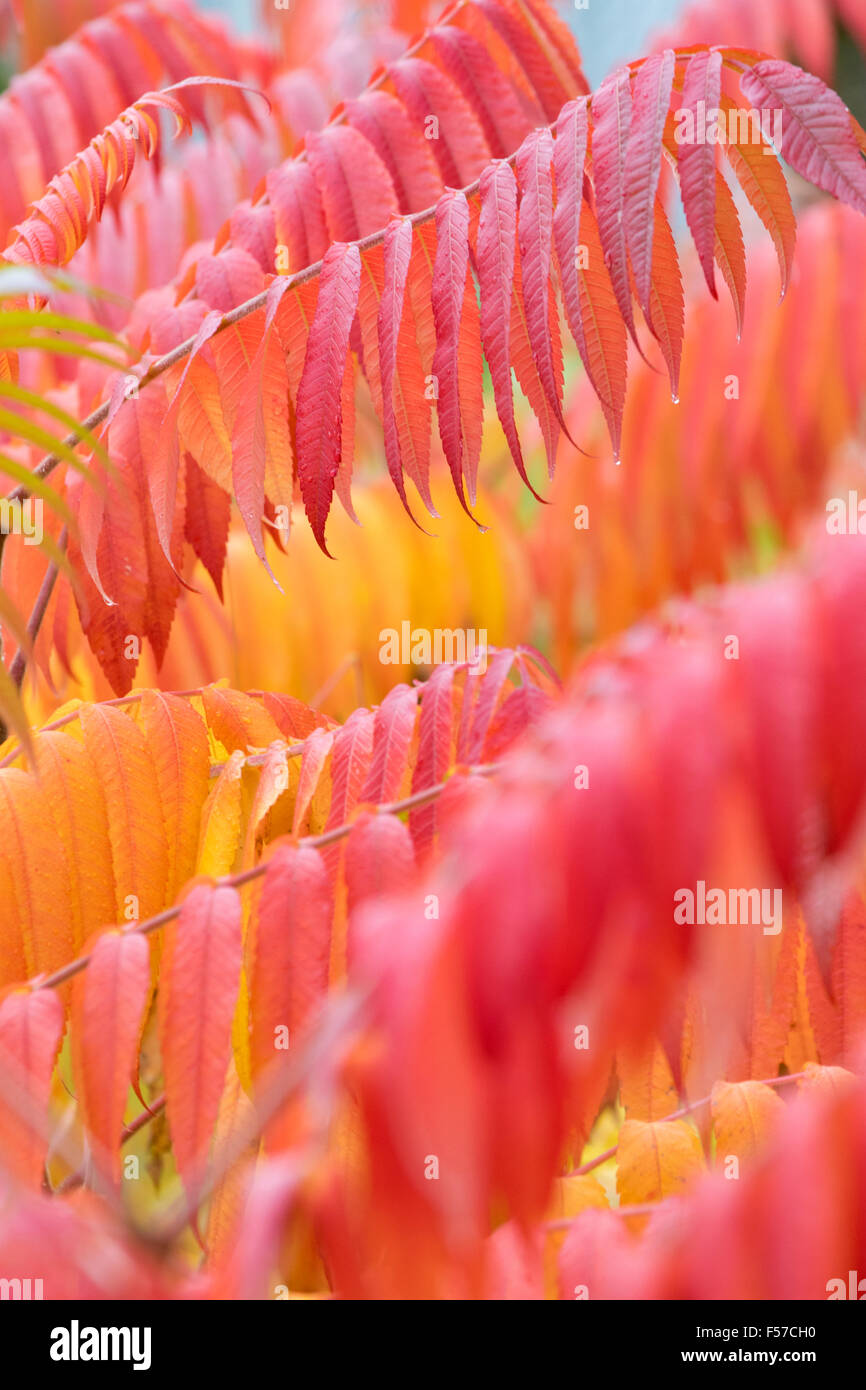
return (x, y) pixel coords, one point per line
(283, 1078)
(77, 1179)
(19, 663)
(240, 880)
(677, 1115)
(74, 714)
(236, 315)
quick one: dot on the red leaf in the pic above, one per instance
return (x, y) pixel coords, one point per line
(393, 728)
(400, 145)
(258, 405)
(728, 247)
(535, 227)
(524, 706)
(588, 296)
(379, 858)
(491, 686)
(460, 148)
(164, 460)
(522, 35)
(569, 161)
(434, 750)
(762, 179)
(31, 1026)
(294, 719)
(666, 302)
(356, 189)
(353, 749)
(228, 279)
(611, 120)
(398, 253)
(484, 85)
(299, 218)
(206, 521)
(448, 295)
(199, 982)
(497, 233)
(318, 417)
(291, 950)
(525, 369)
(108, 1003)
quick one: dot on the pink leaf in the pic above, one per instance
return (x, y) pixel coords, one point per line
(697, 158)
(817, 135)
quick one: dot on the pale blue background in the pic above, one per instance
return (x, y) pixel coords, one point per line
(609, 31)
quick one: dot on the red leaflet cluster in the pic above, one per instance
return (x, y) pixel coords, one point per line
(261, 403)
(53, 110)
(756, 441)
(549, 913)
(554, 906)
(243, 413)
(57, 223)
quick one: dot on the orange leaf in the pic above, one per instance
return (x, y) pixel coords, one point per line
(136, 827)
(744, 1115)
(656, 1159)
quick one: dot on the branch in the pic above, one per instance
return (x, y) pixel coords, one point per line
(250, 306)
(240, 880)
(19, 663)
(15, 1096)
(68, 718)
(243, 311)
(677, 1115)
(77, 1179)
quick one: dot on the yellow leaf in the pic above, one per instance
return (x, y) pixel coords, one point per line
(220, 833)
(177, 741)
(656, 1159)
(744, 1114)
(273, 782)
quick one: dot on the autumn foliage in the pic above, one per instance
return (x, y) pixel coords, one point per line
(533, 969)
